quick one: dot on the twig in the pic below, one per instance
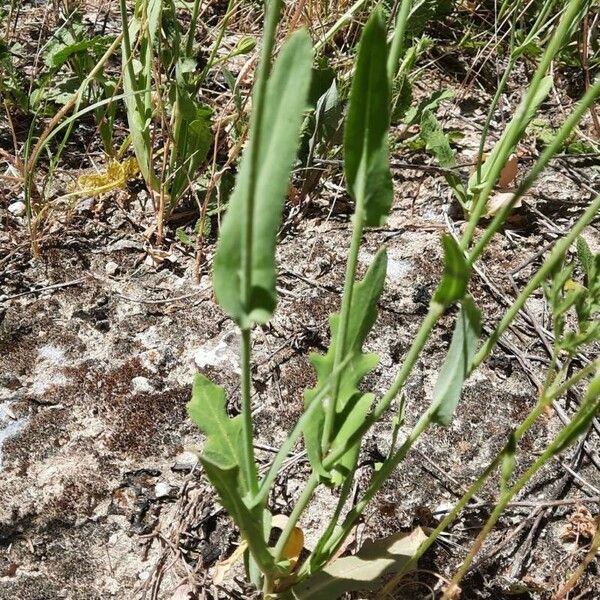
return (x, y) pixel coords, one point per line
(56, 286)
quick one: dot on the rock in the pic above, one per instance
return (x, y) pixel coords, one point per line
(18, 209)
(141, 384)
(162, 489)
(111, 267)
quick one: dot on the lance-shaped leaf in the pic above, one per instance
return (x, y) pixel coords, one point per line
(366, 146)
(456, 367)
(364, 571)
(456, 275)
(363, 313)
(262, 185)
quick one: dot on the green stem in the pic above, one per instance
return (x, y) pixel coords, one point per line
(249, 465)
(345, 18)
(549, 152)
(397, 47)
(566, 437)
(514, 131)
(560, 248)
(211, 59)
(271, 20)
(301, 504)
(192, 31)
(330, 404)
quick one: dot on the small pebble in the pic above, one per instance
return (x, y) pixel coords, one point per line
(18, 209)
(111, 267)
(141, 384)
(162, 489)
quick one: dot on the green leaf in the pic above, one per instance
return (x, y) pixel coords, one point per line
(226, 482)
(364, 571)
(456, 275)
(346, 426)
(431, 104)
(192, 138)
(585, 257)
(351, 403)
(508, 462)
(455, 369)
(207, 410)
(221, 460)
(366, 146)
(436, 141)
(275, 148)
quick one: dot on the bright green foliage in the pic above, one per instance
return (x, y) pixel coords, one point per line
(221, 459)
(352, 406)
(366, 159)
(456, 273)
(564, 293)
(338, 413)
(438, 143)
(137, 79)
(262, 184)
(457, 365)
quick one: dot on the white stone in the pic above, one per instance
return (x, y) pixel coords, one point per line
(111, 267)
(141, 384)
(18, 209)
(162, 489)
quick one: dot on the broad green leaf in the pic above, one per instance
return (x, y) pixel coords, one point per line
(455, 369)
(275, 148)
(438, 143)
(346, 426)
(364, 571)
(366, 146)
(363, 313)
(456, 275)
(221, 460)
(431, 103)
(207, 409)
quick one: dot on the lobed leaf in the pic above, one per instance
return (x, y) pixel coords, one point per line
(207, 409)
(265, 190)
(352, 405)
(221, 461)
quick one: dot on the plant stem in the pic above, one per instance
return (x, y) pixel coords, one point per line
(247, 426)
(347, 16)
(514, 130)
(330, 404)
(193, 23)
(557, 445)
(548, 153)
(560, 248)
(397, 47)
(271, 20)
(301, 504)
